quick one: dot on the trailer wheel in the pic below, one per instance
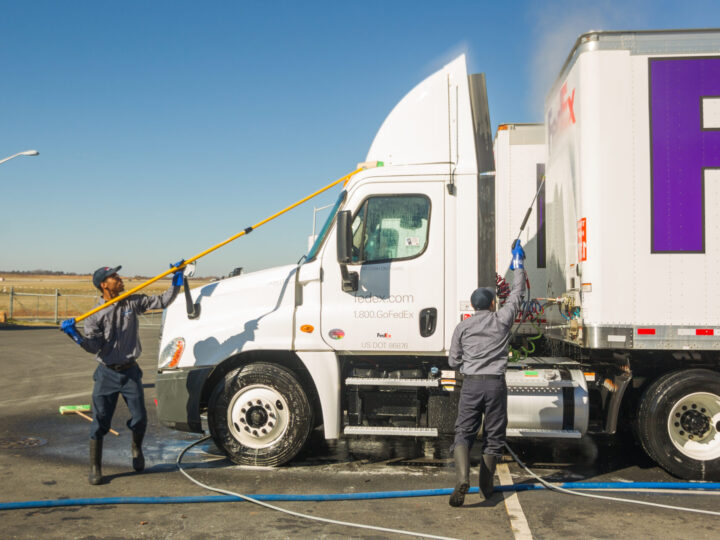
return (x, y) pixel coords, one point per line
(679, 423)
(260, 415)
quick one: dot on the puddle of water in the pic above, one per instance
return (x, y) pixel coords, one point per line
(570, 459)
(22, 443)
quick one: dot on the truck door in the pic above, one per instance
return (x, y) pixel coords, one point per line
(398, 256)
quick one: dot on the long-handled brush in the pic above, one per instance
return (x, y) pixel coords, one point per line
(81, 410)
(248, 230)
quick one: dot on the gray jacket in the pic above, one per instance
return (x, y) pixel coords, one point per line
(112, 332)
(480, 343)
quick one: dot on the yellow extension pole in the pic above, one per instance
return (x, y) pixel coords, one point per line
(218, 246)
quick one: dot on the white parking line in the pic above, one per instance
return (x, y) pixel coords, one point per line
(518, 523)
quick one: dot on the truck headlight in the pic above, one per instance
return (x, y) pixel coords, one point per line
(171, 354)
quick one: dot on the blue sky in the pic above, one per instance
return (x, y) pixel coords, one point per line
(166, 127)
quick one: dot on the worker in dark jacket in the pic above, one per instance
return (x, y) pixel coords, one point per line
(479, 348)
(112, 334)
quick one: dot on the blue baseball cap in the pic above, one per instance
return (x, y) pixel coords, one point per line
(101, 274)
(482, 298)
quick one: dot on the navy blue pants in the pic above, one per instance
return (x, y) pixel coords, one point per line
(108, 385)
(480, 398)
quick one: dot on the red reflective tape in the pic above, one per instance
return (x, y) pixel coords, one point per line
(704, 332)
(646, 331)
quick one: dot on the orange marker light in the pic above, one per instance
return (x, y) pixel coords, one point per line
(179, 348)
(307, 328)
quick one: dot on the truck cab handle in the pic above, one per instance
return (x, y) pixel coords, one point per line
(428, 321)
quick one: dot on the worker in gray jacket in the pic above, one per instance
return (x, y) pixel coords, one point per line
(112, 335)
(479, 348)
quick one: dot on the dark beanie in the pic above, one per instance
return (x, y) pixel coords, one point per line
(482, 298)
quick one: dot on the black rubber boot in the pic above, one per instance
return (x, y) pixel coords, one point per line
(138, 460)
(95, 478)
(462, 475)
(487, 475)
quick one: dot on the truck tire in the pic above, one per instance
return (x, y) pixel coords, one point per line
(260, 415)
(679, 423)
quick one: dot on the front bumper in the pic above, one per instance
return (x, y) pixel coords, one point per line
(178, 398)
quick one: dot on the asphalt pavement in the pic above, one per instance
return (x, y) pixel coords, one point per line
(44, 456)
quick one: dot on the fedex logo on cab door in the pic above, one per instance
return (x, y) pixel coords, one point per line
(684, 144)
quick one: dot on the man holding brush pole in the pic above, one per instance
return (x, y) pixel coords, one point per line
(112, 334)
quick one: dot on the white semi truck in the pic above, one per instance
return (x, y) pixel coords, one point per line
(622, 249)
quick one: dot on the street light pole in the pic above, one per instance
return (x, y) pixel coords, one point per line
(25, 153)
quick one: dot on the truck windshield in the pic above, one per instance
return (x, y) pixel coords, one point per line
(325, 228)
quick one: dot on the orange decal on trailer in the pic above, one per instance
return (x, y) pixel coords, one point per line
(568, 102)
(582, 239)
(561, 115)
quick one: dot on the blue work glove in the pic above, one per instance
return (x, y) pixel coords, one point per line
(518, 256)
(68, 326)
(178, 277)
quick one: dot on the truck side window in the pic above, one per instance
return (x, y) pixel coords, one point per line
(390, 228)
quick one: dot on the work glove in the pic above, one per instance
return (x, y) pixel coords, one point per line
(518, 256)
(178, 277)
(68, 326)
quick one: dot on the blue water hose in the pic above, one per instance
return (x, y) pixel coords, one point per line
(629, 486)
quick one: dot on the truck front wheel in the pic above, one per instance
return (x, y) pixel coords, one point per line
(679, 423)
(260, 415)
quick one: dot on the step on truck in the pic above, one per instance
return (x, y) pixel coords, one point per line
(621, 326)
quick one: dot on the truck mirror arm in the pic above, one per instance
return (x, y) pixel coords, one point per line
(349, 279)
(344, 251)
(193, 310)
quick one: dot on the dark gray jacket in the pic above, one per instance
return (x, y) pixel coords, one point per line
(480, 344)
(112, 332)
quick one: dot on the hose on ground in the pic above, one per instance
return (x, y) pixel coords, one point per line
(688, 488)
(696, 488)
(559, 489)
(290, 512)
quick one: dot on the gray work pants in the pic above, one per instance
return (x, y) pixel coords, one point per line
(109, 385)
(480, 398)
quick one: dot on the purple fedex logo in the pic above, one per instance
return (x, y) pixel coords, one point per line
(682, 148)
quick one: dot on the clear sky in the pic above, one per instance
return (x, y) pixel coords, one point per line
(165, 127)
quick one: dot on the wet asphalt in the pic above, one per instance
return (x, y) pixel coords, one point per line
(43, 455)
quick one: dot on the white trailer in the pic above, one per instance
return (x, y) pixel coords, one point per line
(355, 337)
(520, 155)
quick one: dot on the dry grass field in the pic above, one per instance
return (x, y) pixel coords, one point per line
(76, 294)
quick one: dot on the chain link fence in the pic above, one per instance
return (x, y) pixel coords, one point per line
(38, 307)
